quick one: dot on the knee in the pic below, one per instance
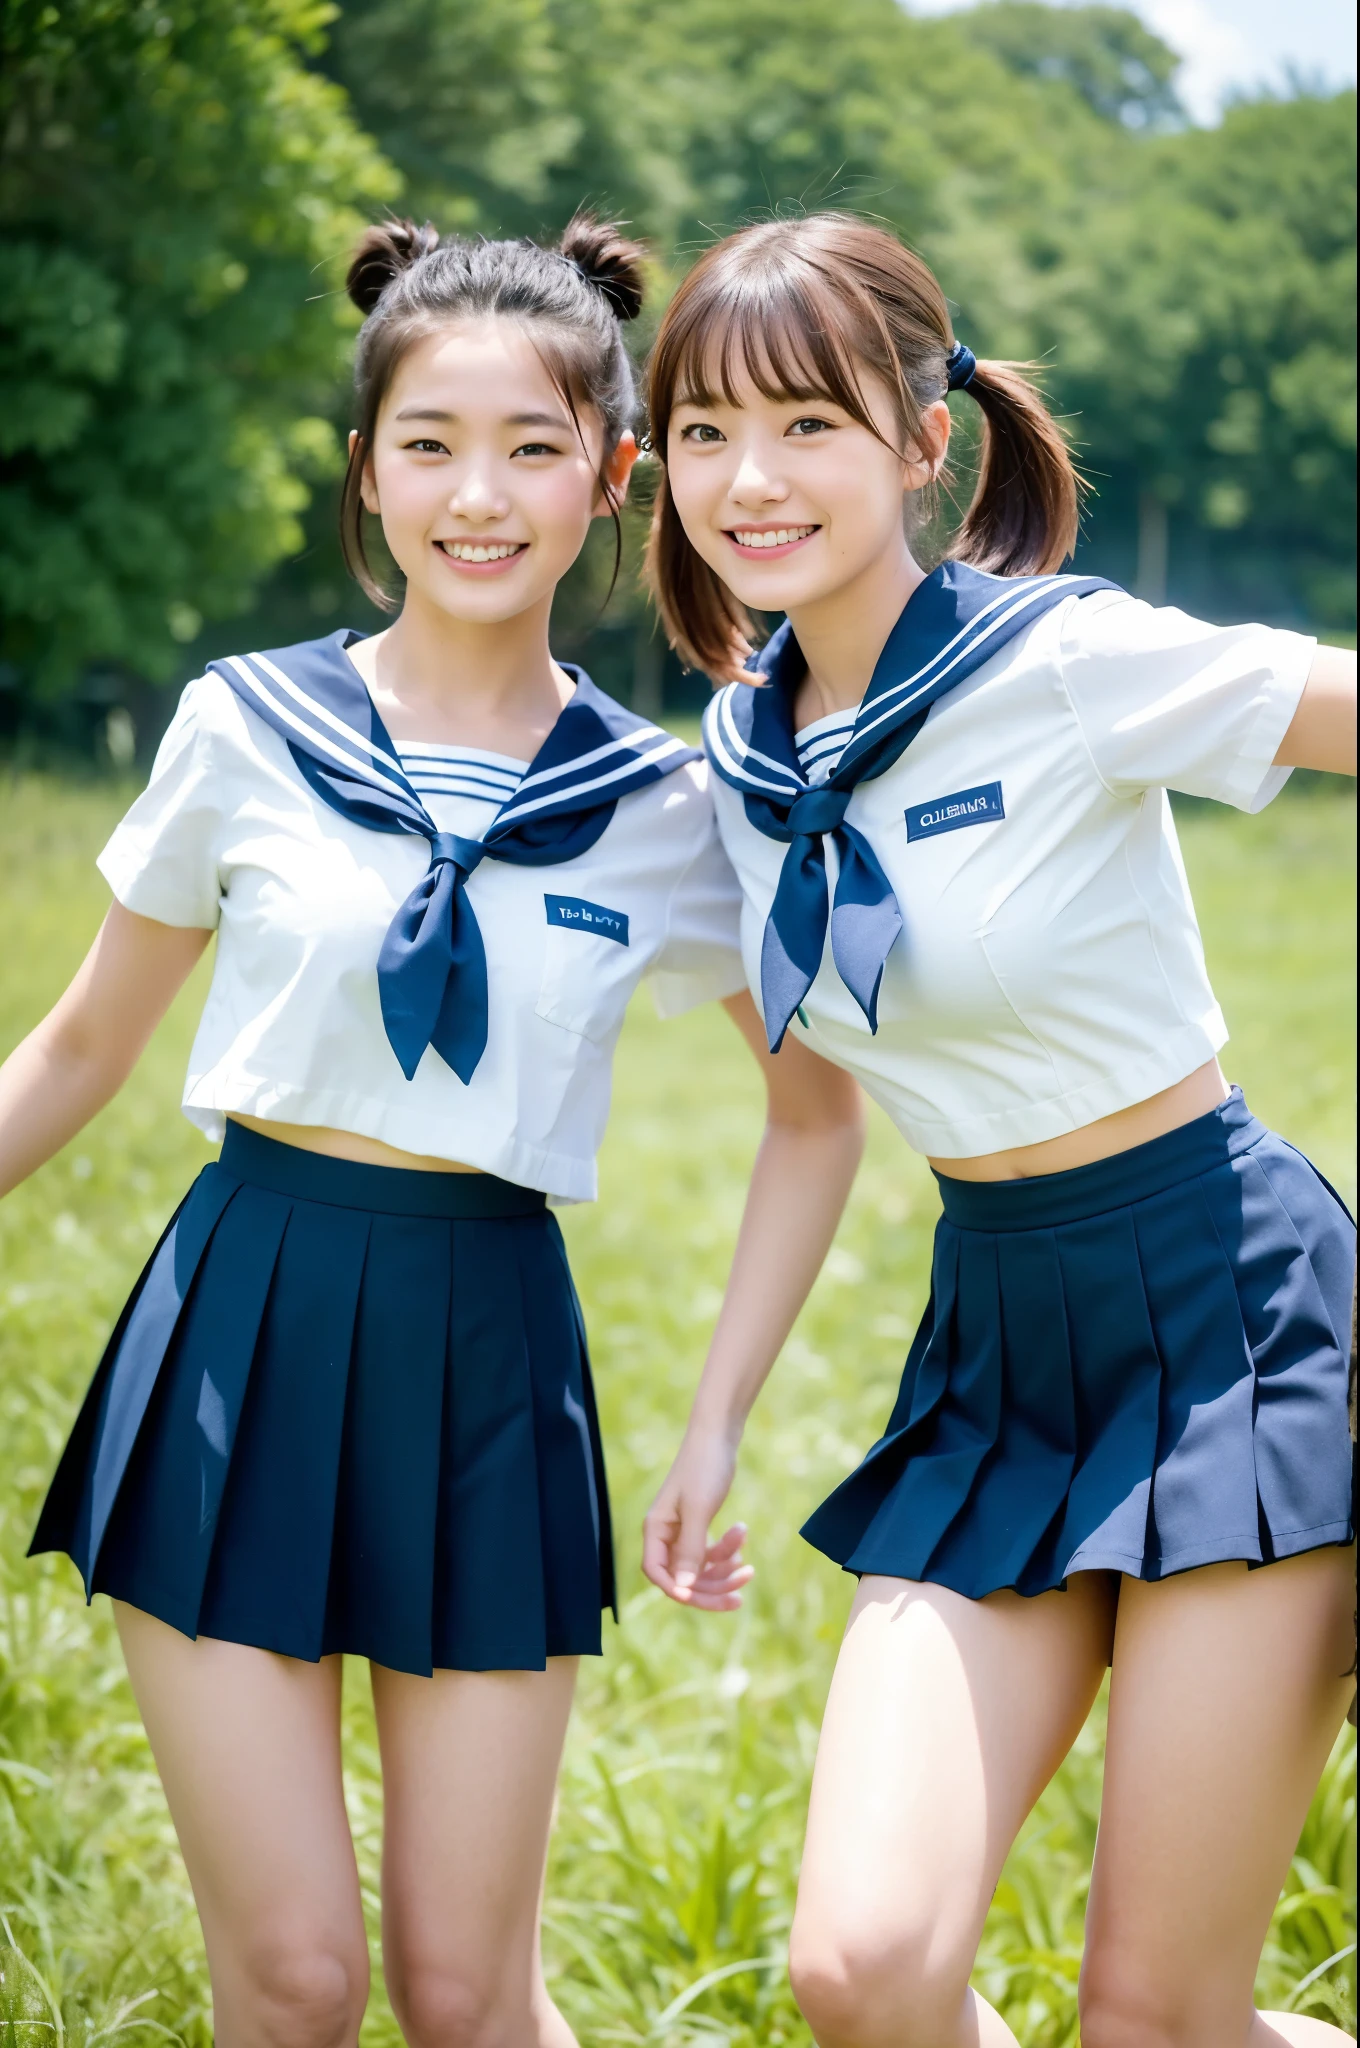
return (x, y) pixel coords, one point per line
(439, 2007)
(877, 1987)
(305, 1995)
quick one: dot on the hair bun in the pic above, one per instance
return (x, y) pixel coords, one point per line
(383, 253)
(608, 260)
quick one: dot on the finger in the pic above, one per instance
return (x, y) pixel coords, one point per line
(727, 1578)
(719, 1589)
(690, 1549)
(659, 1531)
(714, 1603)
(728, 1544)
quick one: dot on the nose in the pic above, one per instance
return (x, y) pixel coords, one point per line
(756, 481)
(476, 495)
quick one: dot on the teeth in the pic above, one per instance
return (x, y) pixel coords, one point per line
(780, 538)
(477, 551)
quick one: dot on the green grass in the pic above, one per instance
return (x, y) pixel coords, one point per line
(677, 1844)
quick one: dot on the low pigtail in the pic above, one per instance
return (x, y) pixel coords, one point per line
(826, 304)
(1023, 517)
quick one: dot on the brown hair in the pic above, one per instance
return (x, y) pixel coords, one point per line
(805, 308)
(575, 297)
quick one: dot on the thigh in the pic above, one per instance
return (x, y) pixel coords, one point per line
(470, 1762)
(1225, 1698)
(946, 1719)
(247, 1744)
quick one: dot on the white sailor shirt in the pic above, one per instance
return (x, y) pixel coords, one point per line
(228, 836)
(1050, 970)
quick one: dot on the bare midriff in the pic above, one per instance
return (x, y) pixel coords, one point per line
(1195, 1096)
(348, 1145)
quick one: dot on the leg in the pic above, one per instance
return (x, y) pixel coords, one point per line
(1225, 1700)
(947, 1717)
(470, 1762)
(248, 1748)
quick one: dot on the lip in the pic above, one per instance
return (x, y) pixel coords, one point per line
(482, 569)
(770, 554)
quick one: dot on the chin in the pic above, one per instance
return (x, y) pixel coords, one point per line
(487, 605)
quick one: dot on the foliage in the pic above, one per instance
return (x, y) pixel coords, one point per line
(1204, 321)
(686, 1779)
(175, 181)
(1118, 66)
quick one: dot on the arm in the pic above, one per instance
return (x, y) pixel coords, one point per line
(1322, 731)
(78, 1058)
(808, 1157)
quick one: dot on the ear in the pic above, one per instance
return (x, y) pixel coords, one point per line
(368, 486)
(617, 471)
(930, 447)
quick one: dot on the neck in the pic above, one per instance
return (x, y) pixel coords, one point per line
(843, 634)
(440, 678)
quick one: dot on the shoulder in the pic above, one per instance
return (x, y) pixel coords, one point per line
(210, 706)
(679, 804)
(214, 729)
(1110, 634)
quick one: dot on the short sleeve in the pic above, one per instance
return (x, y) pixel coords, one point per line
(162, 859)
(700, 957)
(1166, 701)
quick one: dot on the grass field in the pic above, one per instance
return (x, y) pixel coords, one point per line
(676, 1849)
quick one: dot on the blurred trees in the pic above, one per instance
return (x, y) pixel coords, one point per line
(1188, 292)
(1205, 326)
(174, 183)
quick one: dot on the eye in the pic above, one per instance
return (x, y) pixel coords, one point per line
(536, 448)
(801, 429)
(703, 432)
(424, 446)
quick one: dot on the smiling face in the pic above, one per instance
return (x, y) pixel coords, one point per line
(791, 500)
(484, 484)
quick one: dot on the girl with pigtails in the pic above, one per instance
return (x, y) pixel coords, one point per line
(348, 1407)
(1121, 1437)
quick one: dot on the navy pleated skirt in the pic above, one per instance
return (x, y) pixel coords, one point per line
(1138, 1366)
(347, 1408)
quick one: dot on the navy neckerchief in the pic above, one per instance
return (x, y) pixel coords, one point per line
(953, 622)
(432, 980)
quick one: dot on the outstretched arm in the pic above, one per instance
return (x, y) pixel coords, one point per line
(78, 1058)
(814, 1135)
(1322, 731)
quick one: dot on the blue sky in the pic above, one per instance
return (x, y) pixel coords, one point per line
(1235, 46)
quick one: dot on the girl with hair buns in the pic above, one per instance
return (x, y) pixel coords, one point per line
(348, 1408)
(1121, 1433)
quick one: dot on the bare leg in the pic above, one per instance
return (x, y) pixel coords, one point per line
(470, 1761)
(946, 1719)
(248, 1748)
(1226, 1697)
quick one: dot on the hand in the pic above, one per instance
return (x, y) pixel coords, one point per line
(676, 1553)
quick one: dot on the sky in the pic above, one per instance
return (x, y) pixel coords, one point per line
(1235, 46)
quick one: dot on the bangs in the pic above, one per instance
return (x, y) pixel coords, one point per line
(784, 328)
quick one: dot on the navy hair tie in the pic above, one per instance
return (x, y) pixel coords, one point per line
(960, 365)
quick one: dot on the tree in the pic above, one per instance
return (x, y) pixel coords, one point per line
(1203, 323)
(175, 185)
(1119, 67)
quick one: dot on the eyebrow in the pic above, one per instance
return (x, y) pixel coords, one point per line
(515, 419)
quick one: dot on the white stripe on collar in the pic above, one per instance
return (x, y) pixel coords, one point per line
(518, 807)
(315, 738)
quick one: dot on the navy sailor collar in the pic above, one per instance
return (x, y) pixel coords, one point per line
(432, 973)
(956, 619)
(315, 698)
